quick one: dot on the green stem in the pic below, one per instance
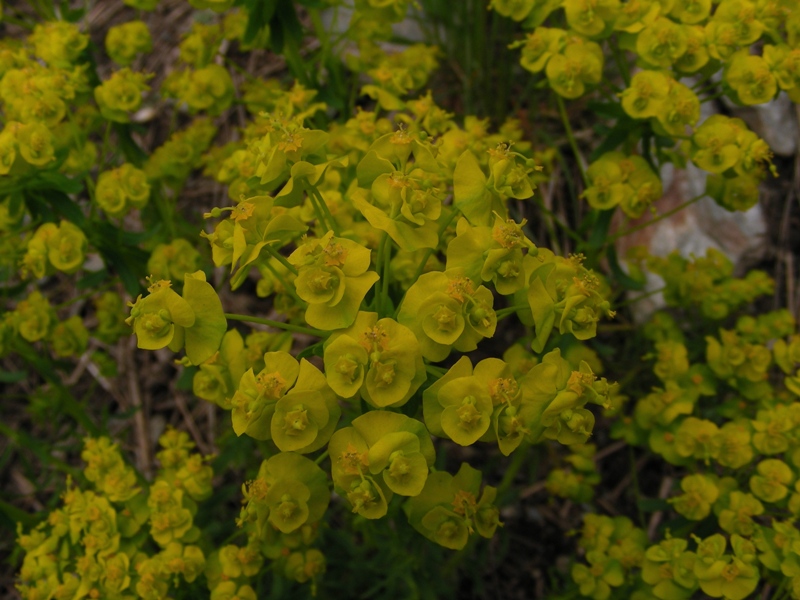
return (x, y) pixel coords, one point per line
(653, 221)
(571, 137)
(504, 312)
(104, 147)
(622, 64)
(325, 210)
(379, 260)
(566, 228)
(387, 260)
(281, 259)
(166, 211)
(318, 211)
(21, 440)
(289, 288)
(640, 297)
(780, 591)
(517, 461)
(429, 252)
(435, 371)
(321, 457)
(636, 493)
(85, 295)
(278, 325)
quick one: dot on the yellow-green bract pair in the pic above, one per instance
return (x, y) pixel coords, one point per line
(381, 454)
(489, 404)
(195, 321)
(300, 419)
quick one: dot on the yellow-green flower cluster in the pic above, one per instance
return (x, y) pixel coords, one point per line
(708, 283)
(613, 547)
(625, 181)
(95, 544)
(122, 189)
(121, 95)
(52, 247)
(181, 153)
(127, 41)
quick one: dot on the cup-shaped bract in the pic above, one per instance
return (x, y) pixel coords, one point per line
(33, 317)
(124, 42)
(491, 253)
(715, 145)
(380, 454)
(257, 394)
(562, 293)
(120, 95)
(450, 508)
(287, 142)
(218, 377)
(558, 396)
(446, 311)
(401, 173)
(378, 358)
(157, 317)
(306, 417)
(35, 143)
(297, 491)
(646, 96)
(58, 43)
(333, 277)
(173, 260)
(61, 247)
(109, 194)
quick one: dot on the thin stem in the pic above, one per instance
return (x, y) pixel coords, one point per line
(567, 229)
(453, 214)
(281, 259)
(164, 209)
(318, 211)
(636, 493)
(571, 137)
(104, 147)
(435, 371)
(321, 457)
(520, 454)
(387, 259)
(379, 260)
(85, 295)
(640, 297)
(278, 325)
(504, 312)
(326, 211)
(289, 288)
(780, 592)
(660, 217)
(622, 64)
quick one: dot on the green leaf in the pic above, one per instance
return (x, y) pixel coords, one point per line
(470, 195)
(17, 515)
(63, 206)
(45, 368)
(313, 350)
(92, 279)
(260, 14)
(651, 505)
(57, 181)
(621, 276)
(371, 167)
(624, 128)
(133, 153)
(12, 376)
(205, 336)
(609, 110)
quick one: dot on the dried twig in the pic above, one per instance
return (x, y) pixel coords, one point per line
(144, 458)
